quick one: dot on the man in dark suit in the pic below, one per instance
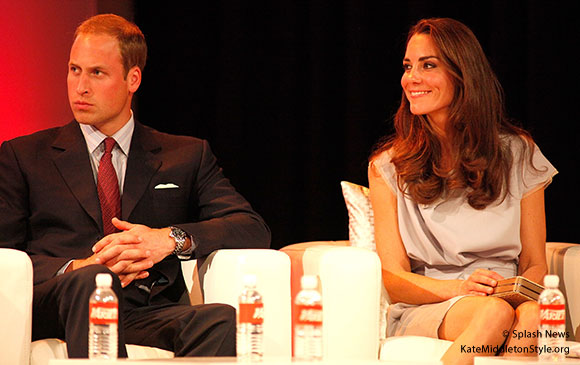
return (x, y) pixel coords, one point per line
(168, 201)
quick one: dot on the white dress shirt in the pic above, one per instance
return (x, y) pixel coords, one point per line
(94, 139)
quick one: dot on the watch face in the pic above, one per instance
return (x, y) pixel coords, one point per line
(178, 236)
(177, 233)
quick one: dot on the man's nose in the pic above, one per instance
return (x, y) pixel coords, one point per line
(83, 86)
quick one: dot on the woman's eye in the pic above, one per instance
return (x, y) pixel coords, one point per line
(406, 67)
(429, 65)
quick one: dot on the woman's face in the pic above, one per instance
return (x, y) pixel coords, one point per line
(426, 83)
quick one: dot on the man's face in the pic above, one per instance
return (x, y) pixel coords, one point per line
(98, 91)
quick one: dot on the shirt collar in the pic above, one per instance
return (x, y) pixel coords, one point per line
(95, 137)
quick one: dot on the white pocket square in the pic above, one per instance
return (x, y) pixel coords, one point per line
(166, 186)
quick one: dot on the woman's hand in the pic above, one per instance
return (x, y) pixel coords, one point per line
(480, 282)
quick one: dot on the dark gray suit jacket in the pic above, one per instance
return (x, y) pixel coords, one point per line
(49, 205)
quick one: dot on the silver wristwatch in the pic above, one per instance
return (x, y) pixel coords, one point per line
(179, 236)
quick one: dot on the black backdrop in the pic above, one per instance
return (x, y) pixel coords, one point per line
(292, 95)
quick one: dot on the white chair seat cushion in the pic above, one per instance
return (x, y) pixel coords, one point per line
(44, 350)
(403, 348)
(136, 352)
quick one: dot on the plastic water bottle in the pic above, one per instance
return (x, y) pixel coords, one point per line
(308, 325)
(250, 335)
(103, 320)
(552, 331)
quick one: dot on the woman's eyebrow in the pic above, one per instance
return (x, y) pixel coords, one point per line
(421, 58)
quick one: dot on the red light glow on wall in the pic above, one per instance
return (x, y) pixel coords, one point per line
(35, 39)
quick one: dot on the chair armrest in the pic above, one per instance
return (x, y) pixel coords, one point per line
(564, 261)
(350, 280)
(221, 279)
(15, 306)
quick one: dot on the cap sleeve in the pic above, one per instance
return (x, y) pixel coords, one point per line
(526, 177)
(383, 165)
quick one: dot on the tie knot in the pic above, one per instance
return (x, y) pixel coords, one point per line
(109, 144)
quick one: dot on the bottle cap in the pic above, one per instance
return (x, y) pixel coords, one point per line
(551, 281)
(309, 282)
(250, 280)
(103, 279)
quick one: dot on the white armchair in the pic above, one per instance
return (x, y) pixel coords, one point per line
(15, 306)
(218, 279)
(350, 282)
(563, 260)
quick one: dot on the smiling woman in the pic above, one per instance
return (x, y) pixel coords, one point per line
(451, 118)
(458, 198)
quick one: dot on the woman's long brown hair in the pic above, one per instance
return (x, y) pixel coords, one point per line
(480, 162)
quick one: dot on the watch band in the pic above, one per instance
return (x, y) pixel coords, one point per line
(179, 236)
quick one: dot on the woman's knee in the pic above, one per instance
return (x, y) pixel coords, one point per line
(494, 312)
(478, 315)
(497, 307)
(528, 315)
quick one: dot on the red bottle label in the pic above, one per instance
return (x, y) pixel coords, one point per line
(309, 314)
(553, 314)
(251, 313)
(103, 313)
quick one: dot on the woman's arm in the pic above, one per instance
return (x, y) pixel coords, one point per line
(532, 263)
(401, 284)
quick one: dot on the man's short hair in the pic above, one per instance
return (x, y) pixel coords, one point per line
(131, 40)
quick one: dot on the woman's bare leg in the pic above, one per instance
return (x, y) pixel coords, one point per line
(526, 322)
(478, 326)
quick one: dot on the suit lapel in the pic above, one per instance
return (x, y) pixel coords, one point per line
(72, 161)
(142, 164)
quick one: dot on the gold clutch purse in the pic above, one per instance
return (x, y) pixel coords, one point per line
(517, 290)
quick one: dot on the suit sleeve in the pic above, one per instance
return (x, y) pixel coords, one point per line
(26, 223)
(226, 219)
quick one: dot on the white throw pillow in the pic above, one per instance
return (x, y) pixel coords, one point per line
(361, 233)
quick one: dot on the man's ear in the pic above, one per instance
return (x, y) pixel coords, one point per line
(134, 78)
